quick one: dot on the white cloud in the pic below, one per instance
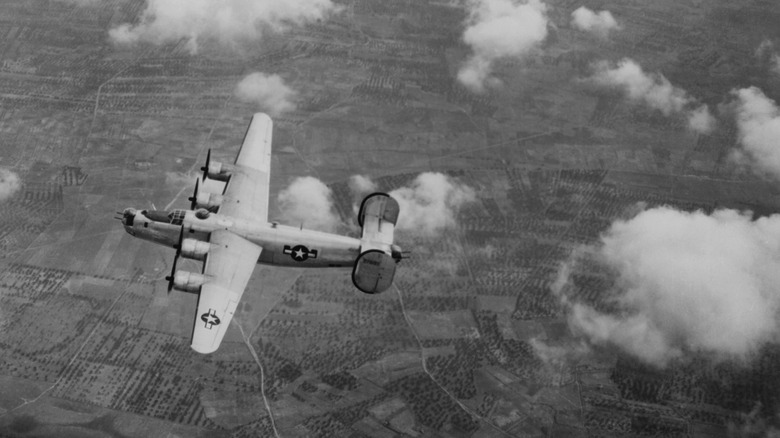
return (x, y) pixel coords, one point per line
(498, 29)
(268, 92)
(654, 90)
(768, 57)
(361, 185)
(701, 120)
(309, 201)
(686, 282)
(774, 65)
(758, 124)
(226, 21)
(9, 184)
(766, 48)
(600, 23)
(431, 203)
(559, 354)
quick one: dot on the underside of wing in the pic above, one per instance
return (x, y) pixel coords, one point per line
(229, 266)
(246, 193)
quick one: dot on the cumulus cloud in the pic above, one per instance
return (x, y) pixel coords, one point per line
(774, 64)
(599, 23)
(225, 21)
(766, 46)
(361, 185)
(654, 90)
(758, 125)
(701, 120)
(309, 201)
(498, 29)
(9, 184)
(430, 204)
(768, 57)
(765, 50)
(559, 354)
(685, 282)
(268, 92)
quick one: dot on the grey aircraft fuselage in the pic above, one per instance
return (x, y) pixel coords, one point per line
(282, 245)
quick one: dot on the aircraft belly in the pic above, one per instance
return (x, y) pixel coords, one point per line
(266, 257)
(307, 256)
(306, 252)
(290, 246)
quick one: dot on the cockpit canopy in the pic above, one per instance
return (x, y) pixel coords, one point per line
(175, 217)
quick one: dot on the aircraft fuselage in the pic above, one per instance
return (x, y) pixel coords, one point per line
(282, 245)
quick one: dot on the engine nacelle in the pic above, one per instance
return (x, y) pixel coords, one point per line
(194, 249)
(219, 171)
(209, 201)
(186, 281)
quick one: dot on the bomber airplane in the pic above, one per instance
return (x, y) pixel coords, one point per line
(230, 233)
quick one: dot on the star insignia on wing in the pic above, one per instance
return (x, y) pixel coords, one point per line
(210, 318)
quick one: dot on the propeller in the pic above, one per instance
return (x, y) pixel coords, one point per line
(175, 260)
(205, 168)
(178, 245)
(169, 278)
(194, 198)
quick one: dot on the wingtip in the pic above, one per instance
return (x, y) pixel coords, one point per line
(203, 349)
(262, 116)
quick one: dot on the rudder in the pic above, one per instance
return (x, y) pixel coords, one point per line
(375, 266)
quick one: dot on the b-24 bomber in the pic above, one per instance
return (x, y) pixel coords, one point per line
(230, 233)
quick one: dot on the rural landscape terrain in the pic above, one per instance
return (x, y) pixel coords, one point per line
(504, 322)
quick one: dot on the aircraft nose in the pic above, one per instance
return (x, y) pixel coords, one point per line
(127, 216)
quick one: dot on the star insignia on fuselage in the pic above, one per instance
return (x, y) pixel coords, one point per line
(210, 318)
(300, 253)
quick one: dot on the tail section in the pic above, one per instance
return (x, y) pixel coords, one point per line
(375, 267)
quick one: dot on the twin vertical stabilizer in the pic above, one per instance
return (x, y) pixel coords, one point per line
(375, 267)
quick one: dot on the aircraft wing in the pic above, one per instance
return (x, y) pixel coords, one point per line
(229, 266)
(246, 193)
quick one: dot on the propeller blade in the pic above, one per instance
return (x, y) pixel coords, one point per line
(173, 273)
(175, 260)
(205, 168)
(178, 245)
(194, 198)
